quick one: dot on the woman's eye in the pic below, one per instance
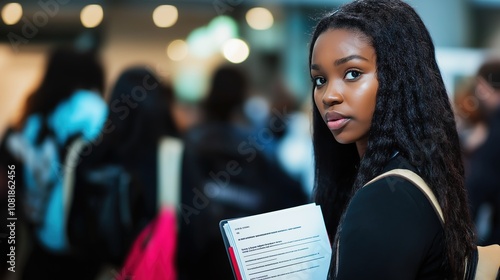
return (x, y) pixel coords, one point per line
(352, 75)
(319, 81)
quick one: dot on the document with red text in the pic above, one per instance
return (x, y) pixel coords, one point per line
(286, 244)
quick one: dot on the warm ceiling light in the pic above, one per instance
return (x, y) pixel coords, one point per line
(177, 50)
(260, 18)
(12, 13)
(235, 50)
(165, 16)
(92, 15)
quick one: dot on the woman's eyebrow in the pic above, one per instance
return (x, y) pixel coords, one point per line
(315, 67)
(341, 61)
(348, 58)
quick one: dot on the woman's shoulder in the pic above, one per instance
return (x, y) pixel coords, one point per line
(391, 221)
(390, 188)
(394, 198)
(395, 187)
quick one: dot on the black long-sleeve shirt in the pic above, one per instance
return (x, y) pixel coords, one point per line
(391, 231)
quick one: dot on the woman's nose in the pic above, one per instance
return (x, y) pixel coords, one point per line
(332, 95)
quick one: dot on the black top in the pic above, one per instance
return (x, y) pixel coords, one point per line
(391, 231)
(224, 176)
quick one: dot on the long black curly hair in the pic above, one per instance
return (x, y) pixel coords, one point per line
(412, 115)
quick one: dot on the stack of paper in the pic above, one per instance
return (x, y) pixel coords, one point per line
(285, 244)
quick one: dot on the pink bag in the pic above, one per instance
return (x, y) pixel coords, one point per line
(152, 255)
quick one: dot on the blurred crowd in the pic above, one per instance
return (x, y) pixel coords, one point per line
(90, 175)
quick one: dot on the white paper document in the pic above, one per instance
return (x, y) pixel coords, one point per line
(285, 244)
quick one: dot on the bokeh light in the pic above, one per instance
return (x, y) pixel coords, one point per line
(92, 15)
(190, 83)
(200, 43)
(259, 18)
(235, 50)
(207, 40)
(165, 16)
(222, 28)
(177, 50)
(12, 13)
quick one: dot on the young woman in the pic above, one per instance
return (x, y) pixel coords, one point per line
(378, 91)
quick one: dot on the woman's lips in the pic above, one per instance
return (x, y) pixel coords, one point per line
(335, 120)
(337, 124)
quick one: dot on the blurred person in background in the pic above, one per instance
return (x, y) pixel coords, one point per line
(67, 104)
(140, 115)
(471, 123)
(483, 178)
(284, 130)
(292, 128)
(225, 175)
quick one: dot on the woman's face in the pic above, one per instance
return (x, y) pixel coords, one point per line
(343, 70)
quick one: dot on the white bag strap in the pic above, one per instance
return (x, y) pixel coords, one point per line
(70, 163)
(169, 171)
(417, 181)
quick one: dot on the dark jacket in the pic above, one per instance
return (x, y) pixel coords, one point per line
(225, 176)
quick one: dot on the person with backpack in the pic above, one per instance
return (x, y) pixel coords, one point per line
(116, 181)
(67, 104)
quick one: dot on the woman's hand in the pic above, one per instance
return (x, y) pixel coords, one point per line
(488, 263)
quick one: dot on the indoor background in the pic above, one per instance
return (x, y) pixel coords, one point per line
(183, 41)
(187, 40)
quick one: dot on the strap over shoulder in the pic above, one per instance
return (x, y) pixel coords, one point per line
(486, 260)
(169, 171)
(70, 163)
(417, 181)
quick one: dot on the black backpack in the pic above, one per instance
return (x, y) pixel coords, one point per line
(221, 181)
(105, 213)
